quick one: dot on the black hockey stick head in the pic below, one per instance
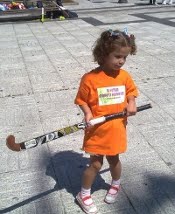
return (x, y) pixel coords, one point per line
(10, 142)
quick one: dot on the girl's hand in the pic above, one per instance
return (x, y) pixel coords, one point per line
(87, 118)
(87, 114)
(131, 108)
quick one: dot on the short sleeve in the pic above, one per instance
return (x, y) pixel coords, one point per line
(131, 89)
(83, 92)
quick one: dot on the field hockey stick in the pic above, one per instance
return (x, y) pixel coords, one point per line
(42, 15)
(11, 144)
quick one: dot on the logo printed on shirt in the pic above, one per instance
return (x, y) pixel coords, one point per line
(111, 95)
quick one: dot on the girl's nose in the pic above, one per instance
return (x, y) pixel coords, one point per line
(121, 61)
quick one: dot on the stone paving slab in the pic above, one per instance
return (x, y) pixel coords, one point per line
(40, 67)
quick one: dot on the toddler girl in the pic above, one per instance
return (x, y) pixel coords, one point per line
(107, 89)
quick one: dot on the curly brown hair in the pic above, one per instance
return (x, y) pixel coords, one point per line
(110, 41)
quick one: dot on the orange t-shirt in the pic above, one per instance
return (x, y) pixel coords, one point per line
(106, 95)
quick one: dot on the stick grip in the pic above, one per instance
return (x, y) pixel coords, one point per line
(97, 121)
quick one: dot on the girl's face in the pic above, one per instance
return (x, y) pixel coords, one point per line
(116, 59)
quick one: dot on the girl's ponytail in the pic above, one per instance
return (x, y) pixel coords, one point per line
(133, 44)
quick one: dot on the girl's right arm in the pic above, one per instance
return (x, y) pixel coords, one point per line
(87, 113)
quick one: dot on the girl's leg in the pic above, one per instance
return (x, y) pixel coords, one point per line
(115, 166)
(115, 169)
(90, 173)
(84, 197)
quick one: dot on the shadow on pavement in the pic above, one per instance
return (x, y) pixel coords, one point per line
(27, 201)
(68, 169)
(155, 195)
(162, 188)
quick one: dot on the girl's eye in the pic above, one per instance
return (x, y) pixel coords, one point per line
(119, 57)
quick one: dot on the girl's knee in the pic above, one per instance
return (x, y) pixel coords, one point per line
(113, 160)
(96, 162)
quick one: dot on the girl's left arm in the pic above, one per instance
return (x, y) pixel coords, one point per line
(131, 94)
(131, 107)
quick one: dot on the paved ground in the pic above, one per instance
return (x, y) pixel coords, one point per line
(40, 67)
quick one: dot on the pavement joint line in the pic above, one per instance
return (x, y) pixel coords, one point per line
(96, 22)
(154, 19)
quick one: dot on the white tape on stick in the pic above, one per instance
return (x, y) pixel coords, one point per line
(97, 121)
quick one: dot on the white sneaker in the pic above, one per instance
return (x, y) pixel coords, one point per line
(88, 208)
(164, 2)
(170, 2)
(111, 196)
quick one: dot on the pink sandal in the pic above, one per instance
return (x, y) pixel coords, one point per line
(88, 208)
(111, 196)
